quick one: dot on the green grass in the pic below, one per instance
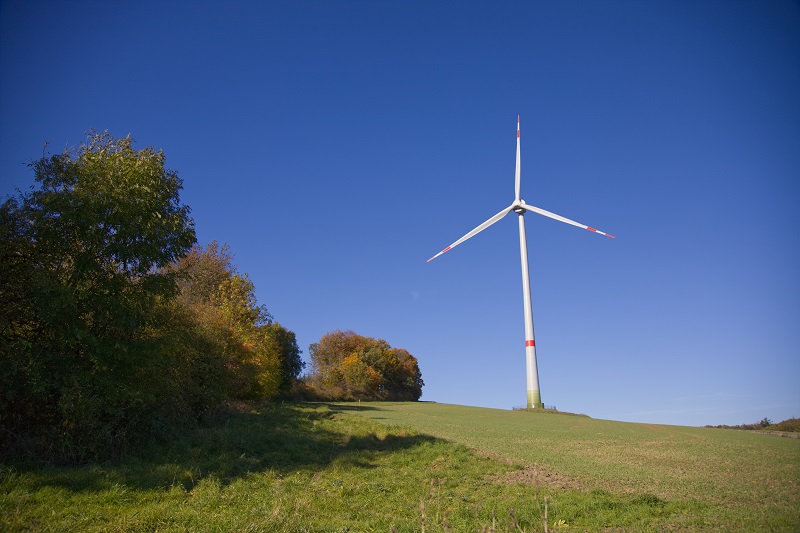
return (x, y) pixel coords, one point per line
(746, 478)
(415, 467)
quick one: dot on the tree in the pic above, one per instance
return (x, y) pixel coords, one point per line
(261, 357)
(105, 206)
(86, 255)
(291, 364)
(114, 328)
(202, 271)
(347, 366)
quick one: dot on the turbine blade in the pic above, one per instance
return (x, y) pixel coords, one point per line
(474, 232)
(517, 173)
(563, 219)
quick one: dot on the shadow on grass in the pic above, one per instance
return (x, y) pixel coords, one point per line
(278, 439)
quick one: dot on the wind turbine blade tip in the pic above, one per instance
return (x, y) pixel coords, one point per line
(437, 255)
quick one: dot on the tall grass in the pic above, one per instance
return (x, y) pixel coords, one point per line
(327, 468)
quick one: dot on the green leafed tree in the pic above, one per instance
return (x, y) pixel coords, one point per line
(83, 269)
(290, 362)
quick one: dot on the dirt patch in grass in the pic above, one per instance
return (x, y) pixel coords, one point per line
(539, 477)
(531, 475)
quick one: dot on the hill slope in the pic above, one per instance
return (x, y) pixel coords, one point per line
(318, 467)
(730, 469)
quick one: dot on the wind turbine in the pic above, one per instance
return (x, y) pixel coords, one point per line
(519, 206)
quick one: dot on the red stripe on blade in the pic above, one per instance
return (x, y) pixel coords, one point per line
(530, 343)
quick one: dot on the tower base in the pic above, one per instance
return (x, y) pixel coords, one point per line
(535, 400)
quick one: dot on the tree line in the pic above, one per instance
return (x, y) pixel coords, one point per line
(117, 327)
(791, 425)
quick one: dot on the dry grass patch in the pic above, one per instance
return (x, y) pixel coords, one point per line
(539, 477)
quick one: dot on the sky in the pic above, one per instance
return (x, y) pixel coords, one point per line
(336, 146)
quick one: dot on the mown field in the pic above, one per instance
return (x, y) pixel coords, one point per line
(419, 467)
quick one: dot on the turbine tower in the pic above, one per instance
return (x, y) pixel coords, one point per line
(520, 207)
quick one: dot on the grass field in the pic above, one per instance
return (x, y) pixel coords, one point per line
(742, 476)
(420, 467)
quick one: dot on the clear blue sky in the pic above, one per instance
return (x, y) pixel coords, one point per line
(338, 145)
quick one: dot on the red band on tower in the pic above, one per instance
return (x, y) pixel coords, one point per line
(530, 343)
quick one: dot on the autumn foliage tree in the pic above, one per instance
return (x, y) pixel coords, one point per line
(348, 366)
(260, 356)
